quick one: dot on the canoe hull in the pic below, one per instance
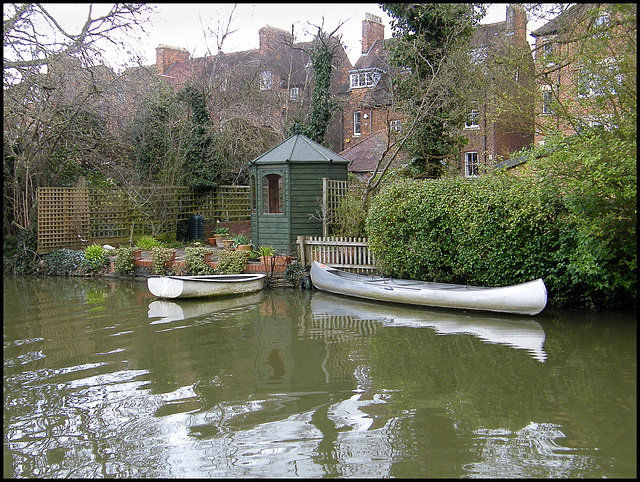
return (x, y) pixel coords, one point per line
(527, 298)
(204, 286)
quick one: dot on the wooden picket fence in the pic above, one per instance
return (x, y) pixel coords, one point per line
(71, 217)
(350, 254)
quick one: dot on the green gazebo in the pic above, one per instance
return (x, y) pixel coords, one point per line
(286, 190)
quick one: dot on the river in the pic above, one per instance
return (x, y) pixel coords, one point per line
(101, 379)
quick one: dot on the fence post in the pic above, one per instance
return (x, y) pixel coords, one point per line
(302, 254)
(325, 207)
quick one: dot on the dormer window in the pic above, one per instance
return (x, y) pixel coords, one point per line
(364, 78)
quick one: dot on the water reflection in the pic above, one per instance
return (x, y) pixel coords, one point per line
(101, 380)
(517, 332)
(167, 311)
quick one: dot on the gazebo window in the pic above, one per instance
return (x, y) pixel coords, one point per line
(272, 194)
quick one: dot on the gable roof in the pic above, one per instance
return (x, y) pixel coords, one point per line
(298, 148)
(567, 19)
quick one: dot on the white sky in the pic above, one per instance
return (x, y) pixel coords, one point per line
(182, 24)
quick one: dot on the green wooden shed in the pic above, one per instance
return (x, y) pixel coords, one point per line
(286, 190)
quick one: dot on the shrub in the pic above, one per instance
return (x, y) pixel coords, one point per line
(19, 253)
(63, 262)
(95, 257)
(160, 256)
(232, 262)
(124, 263)
(148, 243)
(194, 260)
(568, 217)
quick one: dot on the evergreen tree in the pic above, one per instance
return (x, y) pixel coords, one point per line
(433, 45)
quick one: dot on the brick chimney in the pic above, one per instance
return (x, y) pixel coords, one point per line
(166, 56)
(372, 30)
(271, 38)
(516, 21)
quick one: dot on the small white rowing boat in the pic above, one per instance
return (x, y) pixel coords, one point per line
(525, 299)
(207, 285)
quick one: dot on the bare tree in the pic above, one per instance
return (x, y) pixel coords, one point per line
(53, 122)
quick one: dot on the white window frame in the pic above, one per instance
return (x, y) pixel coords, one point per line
(471, 164)
(265, 80)
(473, 117)
(294, 94)
(547, 54)
(594, 84)
(547, 100)
(357, 123)
(364, 78)
(395, 125)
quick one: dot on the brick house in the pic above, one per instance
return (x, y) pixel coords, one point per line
(369, 119)
(266, 88)
(499, 123)
(570, 96)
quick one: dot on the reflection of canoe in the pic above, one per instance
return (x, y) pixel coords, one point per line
(168, 311)
(207, 285)
(527, 298)
(517, 332)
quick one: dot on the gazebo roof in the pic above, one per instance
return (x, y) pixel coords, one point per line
(298, 148)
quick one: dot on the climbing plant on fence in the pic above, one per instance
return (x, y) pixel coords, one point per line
(72, 217)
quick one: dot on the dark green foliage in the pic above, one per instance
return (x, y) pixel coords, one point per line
(232, 262)
(156, 133)
(201, 167)
(19, 253)
(124, 263)
(322, 55)
(432, 40)
(322, 58)
(572, 225)
(194, 260)
(63, 262)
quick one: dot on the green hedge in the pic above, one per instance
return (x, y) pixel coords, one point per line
(500, 229)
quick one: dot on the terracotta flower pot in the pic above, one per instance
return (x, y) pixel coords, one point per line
(227, 243)
(212, 241)
(243, 247)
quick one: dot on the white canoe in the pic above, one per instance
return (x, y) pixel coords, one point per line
(528, 298)
(207, 285)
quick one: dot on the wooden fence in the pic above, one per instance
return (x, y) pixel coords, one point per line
(350, 254)
(72, 217)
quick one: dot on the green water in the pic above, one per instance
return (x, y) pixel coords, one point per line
(102, 380)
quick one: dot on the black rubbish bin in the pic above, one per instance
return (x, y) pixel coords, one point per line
(196, 227)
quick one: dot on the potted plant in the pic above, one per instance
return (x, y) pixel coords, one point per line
(242, 243)
(219, 234)
(266, 253)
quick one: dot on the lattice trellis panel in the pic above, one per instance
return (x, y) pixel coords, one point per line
(67, 216)
(63, 217)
